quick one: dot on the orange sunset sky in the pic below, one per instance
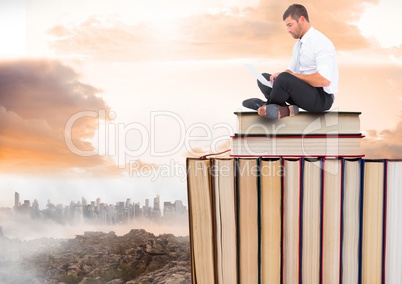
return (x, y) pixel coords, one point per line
(96, 94)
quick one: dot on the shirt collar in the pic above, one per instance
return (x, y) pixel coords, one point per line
(307, 35)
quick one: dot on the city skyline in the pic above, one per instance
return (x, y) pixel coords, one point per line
(96, 212)
(25, 220)
(84, 202)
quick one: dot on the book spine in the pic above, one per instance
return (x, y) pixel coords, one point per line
(312, 227)
(360, 258)
(237, 220)
(301, 220)
(373, 189)
(290, 214)
(282, 217)
(384, 221)
(343, 161)
(270, 201)
(341, 223)
(301, 162)
(322, 219)
(191, 241)
(236, 198)
(393, 245)
(248, 221)
(259, 216)
(214, 200)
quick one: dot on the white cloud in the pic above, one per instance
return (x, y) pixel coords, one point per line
(12, 14)
(382, 22)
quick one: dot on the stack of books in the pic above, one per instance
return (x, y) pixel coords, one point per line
(334, 134)
(295, 203)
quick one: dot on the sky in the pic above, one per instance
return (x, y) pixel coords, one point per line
(107, 99)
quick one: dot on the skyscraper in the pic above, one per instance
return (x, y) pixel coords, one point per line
(157, 203)
(16, 200)
(156, 212)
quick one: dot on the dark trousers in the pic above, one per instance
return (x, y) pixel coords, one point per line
(288, 89)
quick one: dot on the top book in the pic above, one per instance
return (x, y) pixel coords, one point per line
(305, 123)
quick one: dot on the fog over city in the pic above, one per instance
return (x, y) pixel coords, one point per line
(26, 220)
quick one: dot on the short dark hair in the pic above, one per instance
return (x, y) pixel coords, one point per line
(296, 11)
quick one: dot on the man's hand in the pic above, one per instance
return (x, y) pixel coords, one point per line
(273, 77)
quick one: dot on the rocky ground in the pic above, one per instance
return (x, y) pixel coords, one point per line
(97, 258)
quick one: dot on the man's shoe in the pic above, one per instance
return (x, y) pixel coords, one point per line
(273, 111)
(253, 103)
(284, 111)
(293, 110)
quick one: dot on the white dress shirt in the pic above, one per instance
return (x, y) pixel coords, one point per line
(317, 54)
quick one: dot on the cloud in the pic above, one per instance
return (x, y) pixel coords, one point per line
(37, 99)
(373, 89)
(230, 33)
(386, 144)
(396, 54)
(98, 38)
(337, 19)
(256, 32)
(142, 168)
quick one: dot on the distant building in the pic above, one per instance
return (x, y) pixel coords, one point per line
(137, 211)
(168, 209)
(35, 209)
(16, 200)
(157, 203)
(156, 212)
(179, 207)
(174, 211)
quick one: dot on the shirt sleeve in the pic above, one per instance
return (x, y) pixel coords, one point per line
(326, 60)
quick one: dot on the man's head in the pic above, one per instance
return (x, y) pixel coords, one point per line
(296, 20)
(296, 11)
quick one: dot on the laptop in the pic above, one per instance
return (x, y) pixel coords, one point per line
(258, 75)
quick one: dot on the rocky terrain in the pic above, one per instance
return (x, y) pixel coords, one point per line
(97, 258)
